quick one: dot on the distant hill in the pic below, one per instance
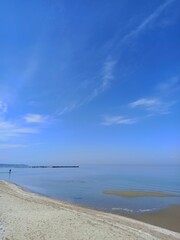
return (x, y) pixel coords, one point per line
(3, 165)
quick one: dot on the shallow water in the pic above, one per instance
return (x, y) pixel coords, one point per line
(85, 185)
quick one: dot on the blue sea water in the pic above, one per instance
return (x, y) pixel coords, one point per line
(85, 185)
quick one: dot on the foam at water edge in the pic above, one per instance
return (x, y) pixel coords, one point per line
(133, 211)
(147, 210)
(122, 209)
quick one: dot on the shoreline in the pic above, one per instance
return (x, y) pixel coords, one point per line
(27, 215)
(168, 218)
(136, 194)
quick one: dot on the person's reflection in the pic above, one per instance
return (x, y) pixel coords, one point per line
(9, 174)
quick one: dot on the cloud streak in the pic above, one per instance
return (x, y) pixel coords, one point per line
(117, 120)
(35, 118)
(148, 103)
(147, 21)
(106, 76)
(9, 129)
(154, 106)
(162, 100)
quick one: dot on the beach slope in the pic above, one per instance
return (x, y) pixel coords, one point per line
(25, 215)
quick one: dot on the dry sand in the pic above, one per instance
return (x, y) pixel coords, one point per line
(28, 216)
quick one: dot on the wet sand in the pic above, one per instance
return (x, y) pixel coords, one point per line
(168, 218)
(133, 194)
(25, 215)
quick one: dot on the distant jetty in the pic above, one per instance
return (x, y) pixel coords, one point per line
(27, 166)
(54, 166)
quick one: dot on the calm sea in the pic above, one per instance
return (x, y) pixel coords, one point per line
(85, 185)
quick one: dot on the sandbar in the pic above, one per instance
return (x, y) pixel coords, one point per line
(26, 215)
(134, 194)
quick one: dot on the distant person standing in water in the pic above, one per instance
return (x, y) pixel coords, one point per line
(9, 171)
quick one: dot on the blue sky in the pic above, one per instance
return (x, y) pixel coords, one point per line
(89, 81)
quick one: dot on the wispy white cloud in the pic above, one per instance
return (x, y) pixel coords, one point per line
(117, 120)
(159, 104)
(13, 128)
(148, 103)
(104, 78)
(69, 108)
(107, 75)
(9, 129)
(152, 105)
(147, 21)
(35, 118)
(9, 146)
(162, 101)
(102, 83)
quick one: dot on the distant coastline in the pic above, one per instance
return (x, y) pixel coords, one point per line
(27, 166)
(4, 165)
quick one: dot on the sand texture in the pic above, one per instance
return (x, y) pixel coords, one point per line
(27, 216)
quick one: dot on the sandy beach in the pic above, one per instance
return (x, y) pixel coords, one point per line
(25, 215)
